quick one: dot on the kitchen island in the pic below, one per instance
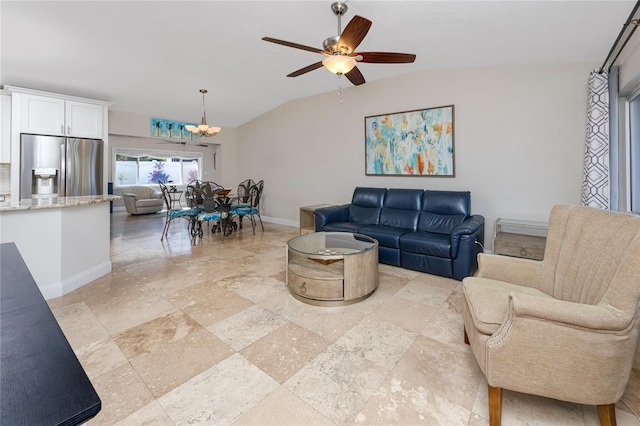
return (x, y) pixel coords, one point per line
(42, 381)
(65, 241)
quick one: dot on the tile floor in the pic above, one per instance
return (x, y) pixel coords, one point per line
(177, 334)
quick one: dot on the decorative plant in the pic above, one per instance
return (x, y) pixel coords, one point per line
(193, 175)
(122, 176)
(158, 174)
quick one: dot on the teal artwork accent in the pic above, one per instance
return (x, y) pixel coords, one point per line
(172, 129)
(410, 143)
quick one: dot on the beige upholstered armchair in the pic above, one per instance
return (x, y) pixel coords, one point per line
(142, 200)
(565, 327)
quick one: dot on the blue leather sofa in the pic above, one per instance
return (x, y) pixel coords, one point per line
(428, 231)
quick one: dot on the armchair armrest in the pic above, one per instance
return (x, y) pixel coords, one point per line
(594, 317)
(331, 214)
(514, 270)
(129, 194)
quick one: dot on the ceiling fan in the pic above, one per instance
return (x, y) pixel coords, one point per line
(339, 51)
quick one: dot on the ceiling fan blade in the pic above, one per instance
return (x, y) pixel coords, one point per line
(355, 76)
(386, 57)
(306, 69)
(354, 33)
(290, 44)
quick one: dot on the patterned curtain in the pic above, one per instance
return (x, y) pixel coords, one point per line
(596, 182)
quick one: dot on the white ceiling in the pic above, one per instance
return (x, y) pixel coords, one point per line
(152, 57)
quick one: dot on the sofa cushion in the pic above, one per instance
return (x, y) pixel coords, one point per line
(364, 215)
(387, 236)
(443, 210)
(366, 204)
(368, 197)
(401, 208)
(427, 243)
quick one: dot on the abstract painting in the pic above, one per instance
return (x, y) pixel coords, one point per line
(410, 143)
(171, 129)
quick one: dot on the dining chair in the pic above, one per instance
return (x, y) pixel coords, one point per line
(212, 211)
(187, 214)
(253, 208)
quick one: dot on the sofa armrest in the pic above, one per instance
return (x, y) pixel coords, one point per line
(129, 194)
(514, 270)
(471, 225)
(331, 214)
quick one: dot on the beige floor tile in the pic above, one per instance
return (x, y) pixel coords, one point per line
(179, 361)
(329, 323)
(337, 383)
(208, 303)
(66, 300)
(246, 327)
(282, 408)
(409, 315)
(155, 335)
(401, 401)
(119, 314)
(100, 357)
(378, 341)
(449, 370)
(122, 392)
(432, 292)
(219, 395)
(79, 325)
(285, 351)
(149, 415)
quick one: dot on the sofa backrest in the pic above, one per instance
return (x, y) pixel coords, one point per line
(401, 208)
(143, 192)
(592, 256)
(366, 204)
(443, 210)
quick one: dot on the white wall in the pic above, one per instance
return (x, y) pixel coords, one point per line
(519, 140)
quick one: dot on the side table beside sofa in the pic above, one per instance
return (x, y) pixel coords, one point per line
(423, 230)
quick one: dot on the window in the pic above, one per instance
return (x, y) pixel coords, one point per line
(634, 151)
(148, 167)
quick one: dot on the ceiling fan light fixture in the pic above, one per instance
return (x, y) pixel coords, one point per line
(339, 64)
(203, 129)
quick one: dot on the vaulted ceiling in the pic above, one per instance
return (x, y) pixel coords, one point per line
(152, 57)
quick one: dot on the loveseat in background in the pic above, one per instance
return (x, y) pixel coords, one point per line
(427, 231)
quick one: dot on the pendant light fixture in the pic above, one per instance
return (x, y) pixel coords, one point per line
(202, 129)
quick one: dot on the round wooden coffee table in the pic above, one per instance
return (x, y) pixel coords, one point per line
(332, 268)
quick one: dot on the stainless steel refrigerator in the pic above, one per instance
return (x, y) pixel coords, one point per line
(53, 166)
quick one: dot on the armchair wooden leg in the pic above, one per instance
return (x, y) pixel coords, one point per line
(466, 338)
(607, 414)
(495, 406)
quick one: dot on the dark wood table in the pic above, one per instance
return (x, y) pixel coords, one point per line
(41, 379)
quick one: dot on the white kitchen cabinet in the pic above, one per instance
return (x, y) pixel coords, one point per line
(5, 127)
(45, 115)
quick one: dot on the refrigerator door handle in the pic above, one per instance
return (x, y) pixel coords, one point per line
(62, 178)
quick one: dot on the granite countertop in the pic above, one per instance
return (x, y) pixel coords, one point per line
(55, 202)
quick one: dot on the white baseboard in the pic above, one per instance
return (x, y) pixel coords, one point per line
(60, 288)
(279, 221)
